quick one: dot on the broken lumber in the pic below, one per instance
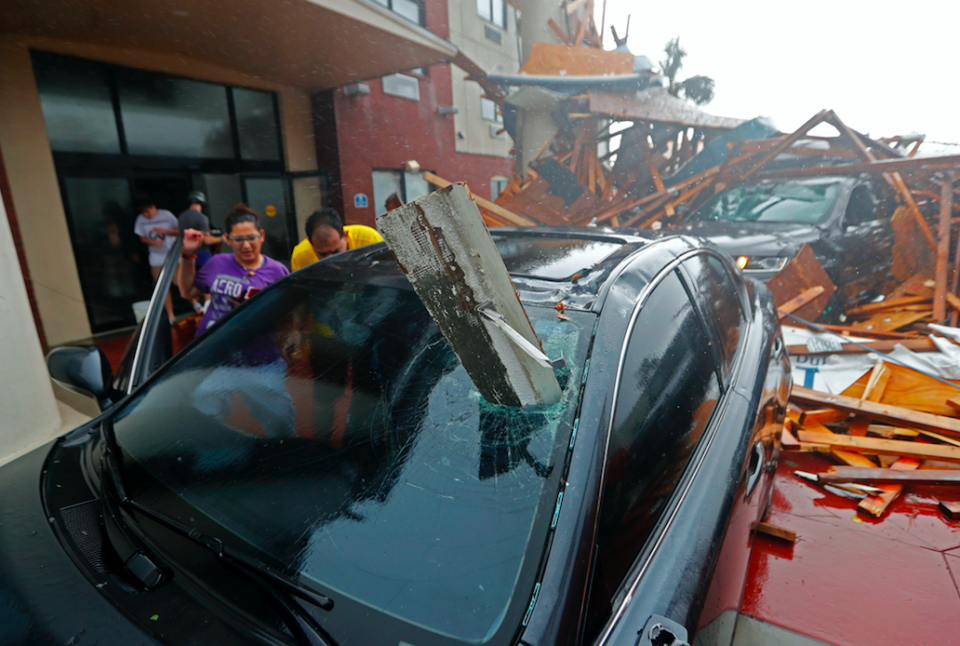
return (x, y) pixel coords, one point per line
(894, 415)
(801, 274)
(447, 254)
(949, 509)
(776, 532)
(496, 209)
(799, 301)
(918, 450)
(876, 505)
(890, 476)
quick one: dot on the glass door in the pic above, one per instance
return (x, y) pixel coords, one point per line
(111, 260)
(270, 197)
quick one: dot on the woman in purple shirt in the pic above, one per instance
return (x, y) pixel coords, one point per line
(228, 277)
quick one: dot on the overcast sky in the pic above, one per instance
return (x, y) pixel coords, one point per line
(884, 67)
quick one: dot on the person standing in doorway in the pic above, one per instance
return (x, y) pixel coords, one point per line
(158, 229)
(327, 235)
(194, 218)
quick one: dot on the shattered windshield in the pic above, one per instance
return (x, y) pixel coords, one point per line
(794, 202)
(332, 430)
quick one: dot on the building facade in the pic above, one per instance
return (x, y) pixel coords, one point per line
(367, 132)
(103, 100)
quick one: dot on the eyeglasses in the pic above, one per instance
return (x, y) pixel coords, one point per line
(242, 239)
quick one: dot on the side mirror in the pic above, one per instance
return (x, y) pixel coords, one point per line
(83, 369)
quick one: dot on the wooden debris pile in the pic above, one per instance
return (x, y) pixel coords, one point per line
(895, 427)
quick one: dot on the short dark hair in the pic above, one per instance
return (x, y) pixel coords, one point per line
(324, 217)
(142, 202)
(238, 214)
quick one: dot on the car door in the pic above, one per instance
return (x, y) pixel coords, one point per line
(151, 344)
(721, 299)
(866, 241)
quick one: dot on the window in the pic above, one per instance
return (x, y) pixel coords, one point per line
(667, 393)
(493, 10)
(409, 9)
(720, 302)
(257, 124)
(104, 109)
(174, 117)
(407, 87)
(490, 111)
(497, 184)
(77, 103)
(407, 186)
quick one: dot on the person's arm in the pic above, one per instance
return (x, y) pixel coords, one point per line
(167, 231)
(153, 243)
(210, 239)
(187, 270)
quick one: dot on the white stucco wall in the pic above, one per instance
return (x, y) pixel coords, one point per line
(28, 410)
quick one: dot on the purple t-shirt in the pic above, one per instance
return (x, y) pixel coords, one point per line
(224, 278)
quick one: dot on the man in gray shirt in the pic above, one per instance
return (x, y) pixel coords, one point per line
(194, 218)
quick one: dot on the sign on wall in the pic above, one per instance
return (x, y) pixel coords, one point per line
(360, 201)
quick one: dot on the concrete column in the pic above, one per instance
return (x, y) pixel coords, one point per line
(28, 410)
(535, 125)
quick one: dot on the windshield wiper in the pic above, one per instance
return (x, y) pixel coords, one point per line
(269, 579)
(144, 569)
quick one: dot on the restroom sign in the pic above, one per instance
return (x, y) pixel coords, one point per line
(360, 201)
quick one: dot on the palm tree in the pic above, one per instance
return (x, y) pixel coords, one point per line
(699, 89)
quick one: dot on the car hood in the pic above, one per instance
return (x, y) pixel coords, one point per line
(754, 238)
(44, 598)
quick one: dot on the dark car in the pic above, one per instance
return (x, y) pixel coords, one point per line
(318, 468)
(763, 225)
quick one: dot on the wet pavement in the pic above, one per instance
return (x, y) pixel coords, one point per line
(851, 578)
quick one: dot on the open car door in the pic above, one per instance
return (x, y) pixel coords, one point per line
(151, 344)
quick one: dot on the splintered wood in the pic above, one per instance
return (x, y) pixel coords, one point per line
(451, 261)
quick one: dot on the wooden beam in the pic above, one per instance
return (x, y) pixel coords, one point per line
(918, 450)
(894, 415)
(799, 301)
(943, 250)
(496, 209)
(917, 345)
(447, 254)
(905, 165)
(823, 416)
(890, 476)
(888, 304)
(562, 35)
(787, 141)
(876, 505)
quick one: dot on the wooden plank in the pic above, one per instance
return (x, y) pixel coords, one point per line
(495, 209)
(910, 389)
(788, 441)
(876, 505)
(890, 321)
(776, 532)
(803, 272)
(918, 450)
(861, 332)
(949, 509)
(799, 301)
(447, 254)
(917, 345)
(890, 476)
(943, 249)
(786, 142)
(954, 403)
(905, 165)
(888, 304)
(823, 416)
(894, 415)
(879, 377)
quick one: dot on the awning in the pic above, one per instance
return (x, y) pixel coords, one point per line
(310, 44)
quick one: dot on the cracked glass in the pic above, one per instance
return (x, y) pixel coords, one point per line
(331, 429)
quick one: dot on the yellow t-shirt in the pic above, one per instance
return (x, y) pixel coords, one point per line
(357, 235)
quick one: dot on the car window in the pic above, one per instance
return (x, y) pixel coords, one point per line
(720, 300)
(331, 429)
(862, 207)
(787, 202)
(667, 392)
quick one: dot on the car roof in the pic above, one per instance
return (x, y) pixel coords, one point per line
(547, 264)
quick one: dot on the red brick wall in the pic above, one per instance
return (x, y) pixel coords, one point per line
(377, 131)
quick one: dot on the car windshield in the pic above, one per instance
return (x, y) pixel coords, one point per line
(788, 202)
(330, 428)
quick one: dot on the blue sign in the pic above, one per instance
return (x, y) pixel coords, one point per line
(359, 201)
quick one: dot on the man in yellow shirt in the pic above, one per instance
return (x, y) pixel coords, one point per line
(327, 235)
